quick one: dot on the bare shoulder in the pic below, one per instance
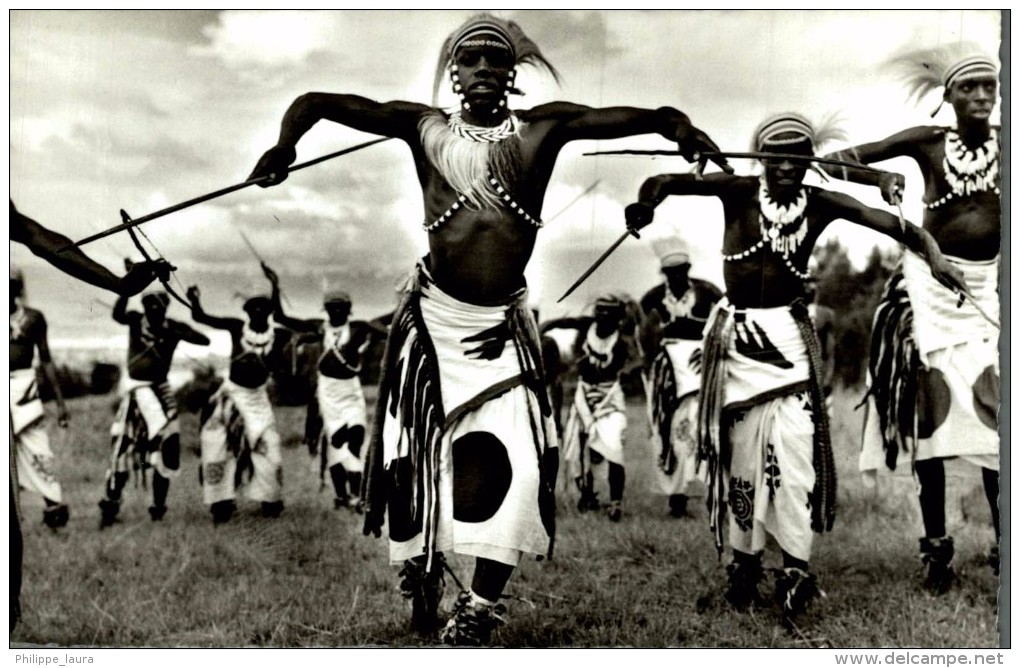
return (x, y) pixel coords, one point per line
(178, 326)
(35, 317)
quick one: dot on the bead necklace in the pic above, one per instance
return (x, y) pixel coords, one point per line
(257, 342)
(969, 171)
(478, 133)
(778, 218)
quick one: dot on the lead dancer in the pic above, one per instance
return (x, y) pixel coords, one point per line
(463, 418)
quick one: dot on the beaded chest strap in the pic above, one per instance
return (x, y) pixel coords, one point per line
(508, 128)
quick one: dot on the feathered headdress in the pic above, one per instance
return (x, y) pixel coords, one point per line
(925, 70)
(789, 128)
(488, 28)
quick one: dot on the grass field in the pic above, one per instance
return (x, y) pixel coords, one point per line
(311, 579)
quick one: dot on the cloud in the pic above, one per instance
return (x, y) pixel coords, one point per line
(267, 39)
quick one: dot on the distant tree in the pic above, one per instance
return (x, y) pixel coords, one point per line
(853, 295)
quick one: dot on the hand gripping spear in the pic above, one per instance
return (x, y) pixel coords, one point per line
(130, 223)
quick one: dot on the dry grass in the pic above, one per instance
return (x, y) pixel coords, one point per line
(311, 579)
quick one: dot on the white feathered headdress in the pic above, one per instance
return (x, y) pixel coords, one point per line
(486, 27)
(671, 250)
(925, 70)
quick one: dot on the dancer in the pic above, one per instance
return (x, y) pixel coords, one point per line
(29, 440)
(461, 434)
(337, 428)
(935, 363)
(238, 432)
(762, 419)
(145, 433)
(593, 436)
(675, 311)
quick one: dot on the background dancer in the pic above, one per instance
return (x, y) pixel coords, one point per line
(145, 432)
(594, 433)
(29, 440)
(676, 312)
(238, 432)
(336, 430)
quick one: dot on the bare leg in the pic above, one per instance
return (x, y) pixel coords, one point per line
(931, 475)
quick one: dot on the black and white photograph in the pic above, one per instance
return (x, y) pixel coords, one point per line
(509, 328)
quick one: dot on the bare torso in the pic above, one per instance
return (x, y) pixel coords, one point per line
(151, 349)
(346, 362)
(30, 335)
(479, 256)
(763, 279)
(250, 367)
(965, 227)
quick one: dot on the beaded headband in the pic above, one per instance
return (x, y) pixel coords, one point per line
(969, 68)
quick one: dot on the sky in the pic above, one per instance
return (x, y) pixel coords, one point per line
(139, 110)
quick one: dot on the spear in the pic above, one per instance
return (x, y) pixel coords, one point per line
(258, 256)
(216, 193)
(598, 263)
(573, 201)
(754, 155)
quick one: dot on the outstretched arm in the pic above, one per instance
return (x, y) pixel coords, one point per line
(390, 119)
(46, 243)
(902, 144)
(203, 318)
(374, 328)
(657, 188)
(190, 335)
(912, 236)
(582, 122)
